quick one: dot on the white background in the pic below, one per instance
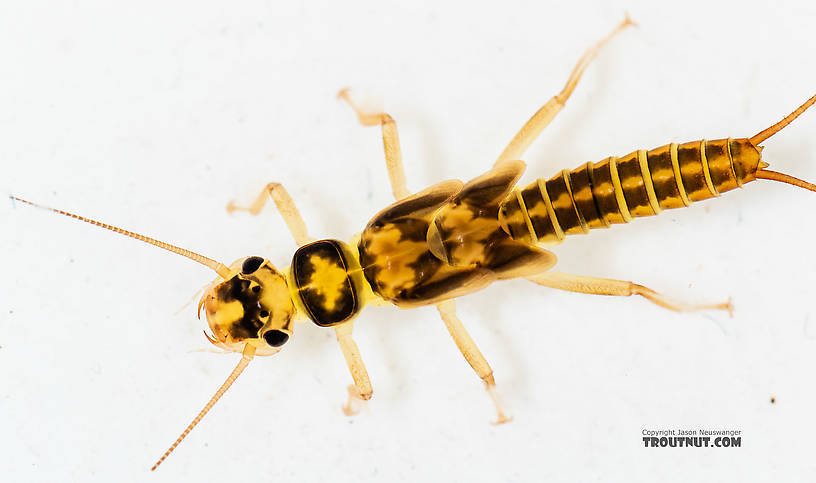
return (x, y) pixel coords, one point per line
(153, 115)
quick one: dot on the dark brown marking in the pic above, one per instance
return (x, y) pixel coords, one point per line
(510, 258)
(581, 182)
(720, 166)
(314, 289)
(400, 267)
(448, 281)
(563, 205)
(513, 216)
(396, 238)
(589, 192)
(421, 203)
(491, 187)
(664, 180)
(243, 291)
(691, 171)
(537, 211)
(604, 192)
(745, 159)
(634, 186)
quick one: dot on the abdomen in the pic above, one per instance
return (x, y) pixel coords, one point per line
(617, 190)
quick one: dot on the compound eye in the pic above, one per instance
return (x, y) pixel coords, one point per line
(276, 338)
(251, 264)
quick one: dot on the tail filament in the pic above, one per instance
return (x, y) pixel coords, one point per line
(765, 134)
(785, 178)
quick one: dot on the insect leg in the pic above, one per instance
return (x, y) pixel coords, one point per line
(447, 309)
(391, 144)
(286, 207)
(530, 131)
(474, 357)
(361, 390)
(608, 286)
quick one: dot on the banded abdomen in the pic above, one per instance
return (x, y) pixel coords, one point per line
(616, 190)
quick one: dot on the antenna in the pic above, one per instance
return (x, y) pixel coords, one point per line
(220, 268)
(246, 356)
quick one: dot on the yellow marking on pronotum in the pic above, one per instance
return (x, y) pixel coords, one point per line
(327, 280)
